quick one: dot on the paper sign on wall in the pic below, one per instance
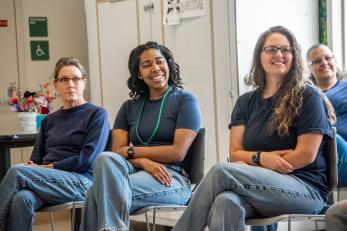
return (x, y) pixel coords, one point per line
(176, 10)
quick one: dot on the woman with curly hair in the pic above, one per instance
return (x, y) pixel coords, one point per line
(277, 134)
(151, 136)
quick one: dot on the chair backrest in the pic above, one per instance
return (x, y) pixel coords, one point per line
(331, 154)
(193, 162)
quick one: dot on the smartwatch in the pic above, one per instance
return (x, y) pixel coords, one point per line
(130, 152)
(256, 158)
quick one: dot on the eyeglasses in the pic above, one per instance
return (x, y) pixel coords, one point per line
(272, 50)
(319, 61)
(66, 80)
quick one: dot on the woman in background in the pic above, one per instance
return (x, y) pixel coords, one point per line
(325, 74)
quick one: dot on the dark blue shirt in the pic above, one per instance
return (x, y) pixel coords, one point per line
(254, 112)
(72, 138)
(180, 110)
(338, 98)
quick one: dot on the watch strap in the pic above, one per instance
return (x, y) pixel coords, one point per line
(130, 152)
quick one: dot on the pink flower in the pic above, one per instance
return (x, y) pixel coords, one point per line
(14, 100)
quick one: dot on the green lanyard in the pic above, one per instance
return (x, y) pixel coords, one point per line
(158, 120)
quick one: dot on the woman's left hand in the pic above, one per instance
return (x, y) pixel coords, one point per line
(158, 171)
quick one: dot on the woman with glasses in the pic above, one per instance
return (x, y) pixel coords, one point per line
(276, 131)
(151, 136)
(60, 166)
(326, 75)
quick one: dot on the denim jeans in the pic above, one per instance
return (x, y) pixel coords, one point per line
(25, 189)
(119, 189)
(341, 146)
(231, 192)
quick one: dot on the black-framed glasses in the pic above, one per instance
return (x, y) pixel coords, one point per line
(272, 50)
(319, 61)
(66, 80)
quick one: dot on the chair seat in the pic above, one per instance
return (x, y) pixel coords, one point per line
(68, 205)
(161, 208)
(285, 217)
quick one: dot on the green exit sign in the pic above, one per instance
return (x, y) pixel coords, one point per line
(38, 27)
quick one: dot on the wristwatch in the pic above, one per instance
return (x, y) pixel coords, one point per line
(256, 158)
(130, 152)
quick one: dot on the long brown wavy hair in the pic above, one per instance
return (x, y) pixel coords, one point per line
(288, 99)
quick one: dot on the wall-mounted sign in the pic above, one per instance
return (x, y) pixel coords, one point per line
(3, 23)
(38, 27)
(39, 50)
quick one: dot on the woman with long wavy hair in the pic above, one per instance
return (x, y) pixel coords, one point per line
(276, 153)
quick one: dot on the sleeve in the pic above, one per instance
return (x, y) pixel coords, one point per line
(239, 115)
(95, 142)
(121, 118)
(313, 116)
(189, 115)
(40, 144)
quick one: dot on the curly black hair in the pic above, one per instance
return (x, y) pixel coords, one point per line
(138, 88)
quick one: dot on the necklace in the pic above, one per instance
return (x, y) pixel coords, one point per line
(158, 119)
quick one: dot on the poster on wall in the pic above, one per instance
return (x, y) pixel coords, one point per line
(192, 8)
(176, 10)
(171, 12)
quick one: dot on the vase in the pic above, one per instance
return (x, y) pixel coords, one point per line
(39, 119)
(27, 122)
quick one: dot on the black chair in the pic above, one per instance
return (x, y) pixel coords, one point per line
(331, 155)
(193, 164)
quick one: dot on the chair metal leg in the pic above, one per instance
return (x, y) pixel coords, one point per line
(338, 194)
(73, 217)
(147, 222)
(154, 214)
(52, 222)
(289, 224)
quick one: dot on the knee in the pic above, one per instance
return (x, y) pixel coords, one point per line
(16, 170)
(108, 160)
(218, 170)
(23, 199)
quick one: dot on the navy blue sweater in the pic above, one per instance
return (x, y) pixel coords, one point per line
(72, 138)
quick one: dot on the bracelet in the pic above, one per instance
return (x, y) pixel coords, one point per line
(130, 152)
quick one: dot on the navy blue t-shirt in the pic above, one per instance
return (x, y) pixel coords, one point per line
(180, 110)
(338, 98)
(72, 138)
(254, 112)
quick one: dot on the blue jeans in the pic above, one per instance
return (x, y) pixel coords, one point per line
(25, 189)
(231, 192)
(341, 146)
(119, 189)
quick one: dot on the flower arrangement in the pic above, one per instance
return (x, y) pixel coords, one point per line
(26, 101)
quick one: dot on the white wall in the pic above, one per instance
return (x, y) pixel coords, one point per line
(254, 17)
(66, 36)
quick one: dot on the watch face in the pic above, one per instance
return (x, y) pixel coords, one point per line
(255, 159)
